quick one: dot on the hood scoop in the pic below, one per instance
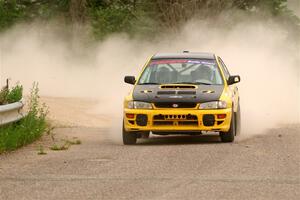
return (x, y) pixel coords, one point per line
(166, 92)
(177, 93)
(186, 92)
(174, 92)
(176, 86)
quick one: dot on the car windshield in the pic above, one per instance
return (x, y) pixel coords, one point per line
(181, 71)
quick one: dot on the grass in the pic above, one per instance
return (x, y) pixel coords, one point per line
(28, 129)
(11, 95)
(66, 145)
(41, 150)
(57, 147)
(73, 142)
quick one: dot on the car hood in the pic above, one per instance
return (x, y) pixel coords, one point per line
(177, 93)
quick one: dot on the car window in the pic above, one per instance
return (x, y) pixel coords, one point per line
(145, 78)
(194, 71)
(224, 68)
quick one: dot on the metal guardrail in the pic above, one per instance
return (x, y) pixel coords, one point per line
(11, 113)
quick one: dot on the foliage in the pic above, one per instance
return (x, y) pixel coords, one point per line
(41, 150)
(57, 147)
(28, 129)
(13, 11)
(136, 16)
(3, 96)
(111, 19)
(11, 95)
(15, 94)
(65, 145)
(10, 12)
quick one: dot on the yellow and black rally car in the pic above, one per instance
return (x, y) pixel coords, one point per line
(182, 93)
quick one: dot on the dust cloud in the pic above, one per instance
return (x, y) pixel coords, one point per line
(68, 65)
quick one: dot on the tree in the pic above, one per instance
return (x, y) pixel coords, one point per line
(77, 10)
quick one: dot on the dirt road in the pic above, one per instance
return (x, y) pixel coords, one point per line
(198, 167)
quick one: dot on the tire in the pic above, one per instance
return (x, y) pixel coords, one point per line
(229, 136)
(238, 127)
(129, 138)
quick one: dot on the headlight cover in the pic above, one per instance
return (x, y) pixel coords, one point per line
(213, 105)
(138, 105)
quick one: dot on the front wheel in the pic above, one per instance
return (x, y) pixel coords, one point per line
(238, 120)
(229, 136)
(129, 138)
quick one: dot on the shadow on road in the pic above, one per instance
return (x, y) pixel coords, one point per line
(178, 140)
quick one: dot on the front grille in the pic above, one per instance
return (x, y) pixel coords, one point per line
(175, 105)
(175, 120)
(188, 123)
(181, 117)
(162, 123)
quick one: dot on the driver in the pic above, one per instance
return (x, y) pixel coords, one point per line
(202, 73)
(164, 75)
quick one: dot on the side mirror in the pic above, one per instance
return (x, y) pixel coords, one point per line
(233, 79)
(129, 80)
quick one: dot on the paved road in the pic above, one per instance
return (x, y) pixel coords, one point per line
(263, 167)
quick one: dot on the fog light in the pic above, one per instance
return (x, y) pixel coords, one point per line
(208, 120)
(141, 120)
(221, 116)
(129, 115)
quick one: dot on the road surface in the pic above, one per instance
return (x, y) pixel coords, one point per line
(177, 167)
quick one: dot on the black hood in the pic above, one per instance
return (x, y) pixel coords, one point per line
(177, 93)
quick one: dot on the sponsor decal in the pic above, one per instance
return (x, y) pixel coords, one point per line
(208, 91)
(203, 62)
(195, 61)
(207, 63)
(168, 61)
(176, 97)
(175, 105)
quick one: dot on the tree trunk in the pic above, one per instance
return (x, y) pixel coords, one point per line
(78, 11)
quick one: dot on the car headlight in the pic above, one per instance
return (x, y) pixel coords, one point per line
(213, 105)
(138, 105)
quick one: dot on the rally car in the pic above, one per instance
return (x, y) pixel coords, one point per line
(182, 93)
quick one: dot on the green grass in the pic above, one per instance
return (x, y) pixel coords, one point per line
(66, 144)
(41, 150)
(28, 129)
(73, 142)
(11, 95)
(15, 94)
(57, 147)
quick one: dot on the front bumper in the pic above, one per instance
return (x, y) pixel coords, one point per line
(176, 120)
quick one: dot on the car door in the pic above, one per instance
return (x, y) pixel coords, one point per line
(233, 88)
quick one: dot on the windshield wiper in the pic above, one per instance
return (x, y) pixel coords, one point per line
(202, 83)
(183, 83)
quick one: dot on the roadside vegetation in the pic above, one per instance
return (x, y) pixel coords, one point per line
(29, 128)
(65, 144)
(11, 95)
(141, 17)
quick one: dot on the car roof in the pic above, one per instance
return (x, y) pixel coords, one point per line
(185, 54)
